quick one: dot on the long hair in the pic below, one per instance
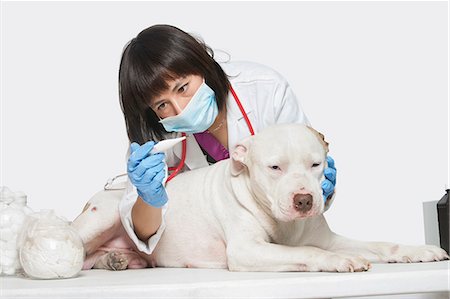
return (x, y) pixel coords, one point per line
(159, 54)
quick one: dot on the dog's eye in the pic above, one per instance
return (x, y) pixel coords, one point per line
(316, 164)
(275, 167)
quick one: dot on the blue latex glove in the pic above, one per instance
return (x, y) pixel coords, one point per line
(147, 171)
(330, 179)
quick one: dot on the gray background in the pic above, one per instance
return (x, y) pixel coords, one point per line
(373, 77)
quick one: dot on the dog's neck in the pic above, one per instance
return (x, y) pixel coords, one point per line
(251, 201)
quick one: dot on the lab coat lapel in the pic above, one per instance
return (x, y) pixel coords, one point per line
(194, 155)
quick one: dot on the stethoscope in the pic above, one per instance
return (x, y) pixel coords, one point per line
(176, 169)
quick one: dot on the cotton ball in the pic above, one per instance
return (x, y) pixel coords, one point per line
(7, 234)
(10, 226)
(13, 210)
(10, 216)
(49, 247)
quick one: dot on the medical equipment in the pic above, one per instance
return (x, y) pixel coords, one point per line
(49, 248)
(13, 211)
(444, 220)
(164, 145)
(238, 102)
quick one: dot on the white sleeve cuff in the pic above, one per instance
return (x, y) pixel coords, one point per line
(125, 207)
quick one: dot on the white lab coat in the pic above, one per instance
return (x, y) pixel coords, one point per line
(267, 99)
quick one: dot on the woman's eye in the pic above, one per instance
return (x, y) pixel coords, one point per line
(162, 106)
(316, 164)
(183, 88)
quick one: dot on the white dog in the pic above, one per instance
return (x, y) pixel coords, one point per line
(260, 210)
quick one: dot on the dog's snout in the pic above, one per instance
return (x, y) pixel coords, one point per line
(303, 202)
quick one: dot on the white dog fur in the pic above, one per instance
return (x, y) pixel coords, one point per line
(260, 210)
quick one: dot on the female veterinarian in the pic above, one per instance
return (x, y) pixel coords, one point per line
(170, 85)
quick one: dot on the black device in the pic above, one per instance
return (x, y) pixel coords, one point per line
(443, 210)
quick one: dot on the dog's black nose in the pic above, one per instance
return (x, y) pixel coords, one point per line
(303, 202)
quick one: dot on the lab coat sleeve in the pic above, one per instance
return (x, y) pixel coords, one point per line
(287, 108)
(126, 204)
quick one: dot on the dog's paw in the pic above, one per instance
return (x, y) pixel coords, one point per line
(416, 254)
(344, 263)
(116, 261)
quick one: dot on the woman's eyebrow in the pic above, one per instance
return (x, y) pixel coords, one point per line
(178, 83)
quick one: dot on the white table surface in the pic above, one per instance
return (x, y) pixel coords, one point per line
(213, 283)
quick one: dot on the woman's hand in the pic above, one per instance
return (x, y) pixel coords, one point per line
(146, 171)
(330, 179)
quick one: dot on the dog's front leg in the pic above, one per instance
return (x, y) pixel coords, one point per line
(264, 256)
(387, 252)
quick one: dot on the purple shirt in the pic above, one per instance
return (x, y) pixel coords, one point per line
(212, 146)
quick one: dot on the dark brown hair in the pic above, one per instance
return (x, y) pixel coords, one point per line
(157, 55)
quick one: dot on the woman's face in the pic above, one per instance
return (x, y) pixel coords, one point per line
(173, 100)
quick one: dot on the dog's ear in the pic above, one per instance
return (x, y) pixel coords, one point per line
(321, 137)
(239, 157)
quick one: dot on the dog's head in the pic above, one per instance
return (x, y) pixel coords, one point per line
(284, 165)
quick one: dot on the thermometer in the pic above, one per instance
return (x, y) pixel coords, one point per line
(166, 144)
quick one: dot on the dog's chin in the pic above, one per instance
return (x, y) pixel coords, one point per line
(293, 215)
(300, 216)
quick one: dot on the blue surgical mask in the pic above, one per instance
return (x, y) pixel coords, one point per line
(198, 115)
